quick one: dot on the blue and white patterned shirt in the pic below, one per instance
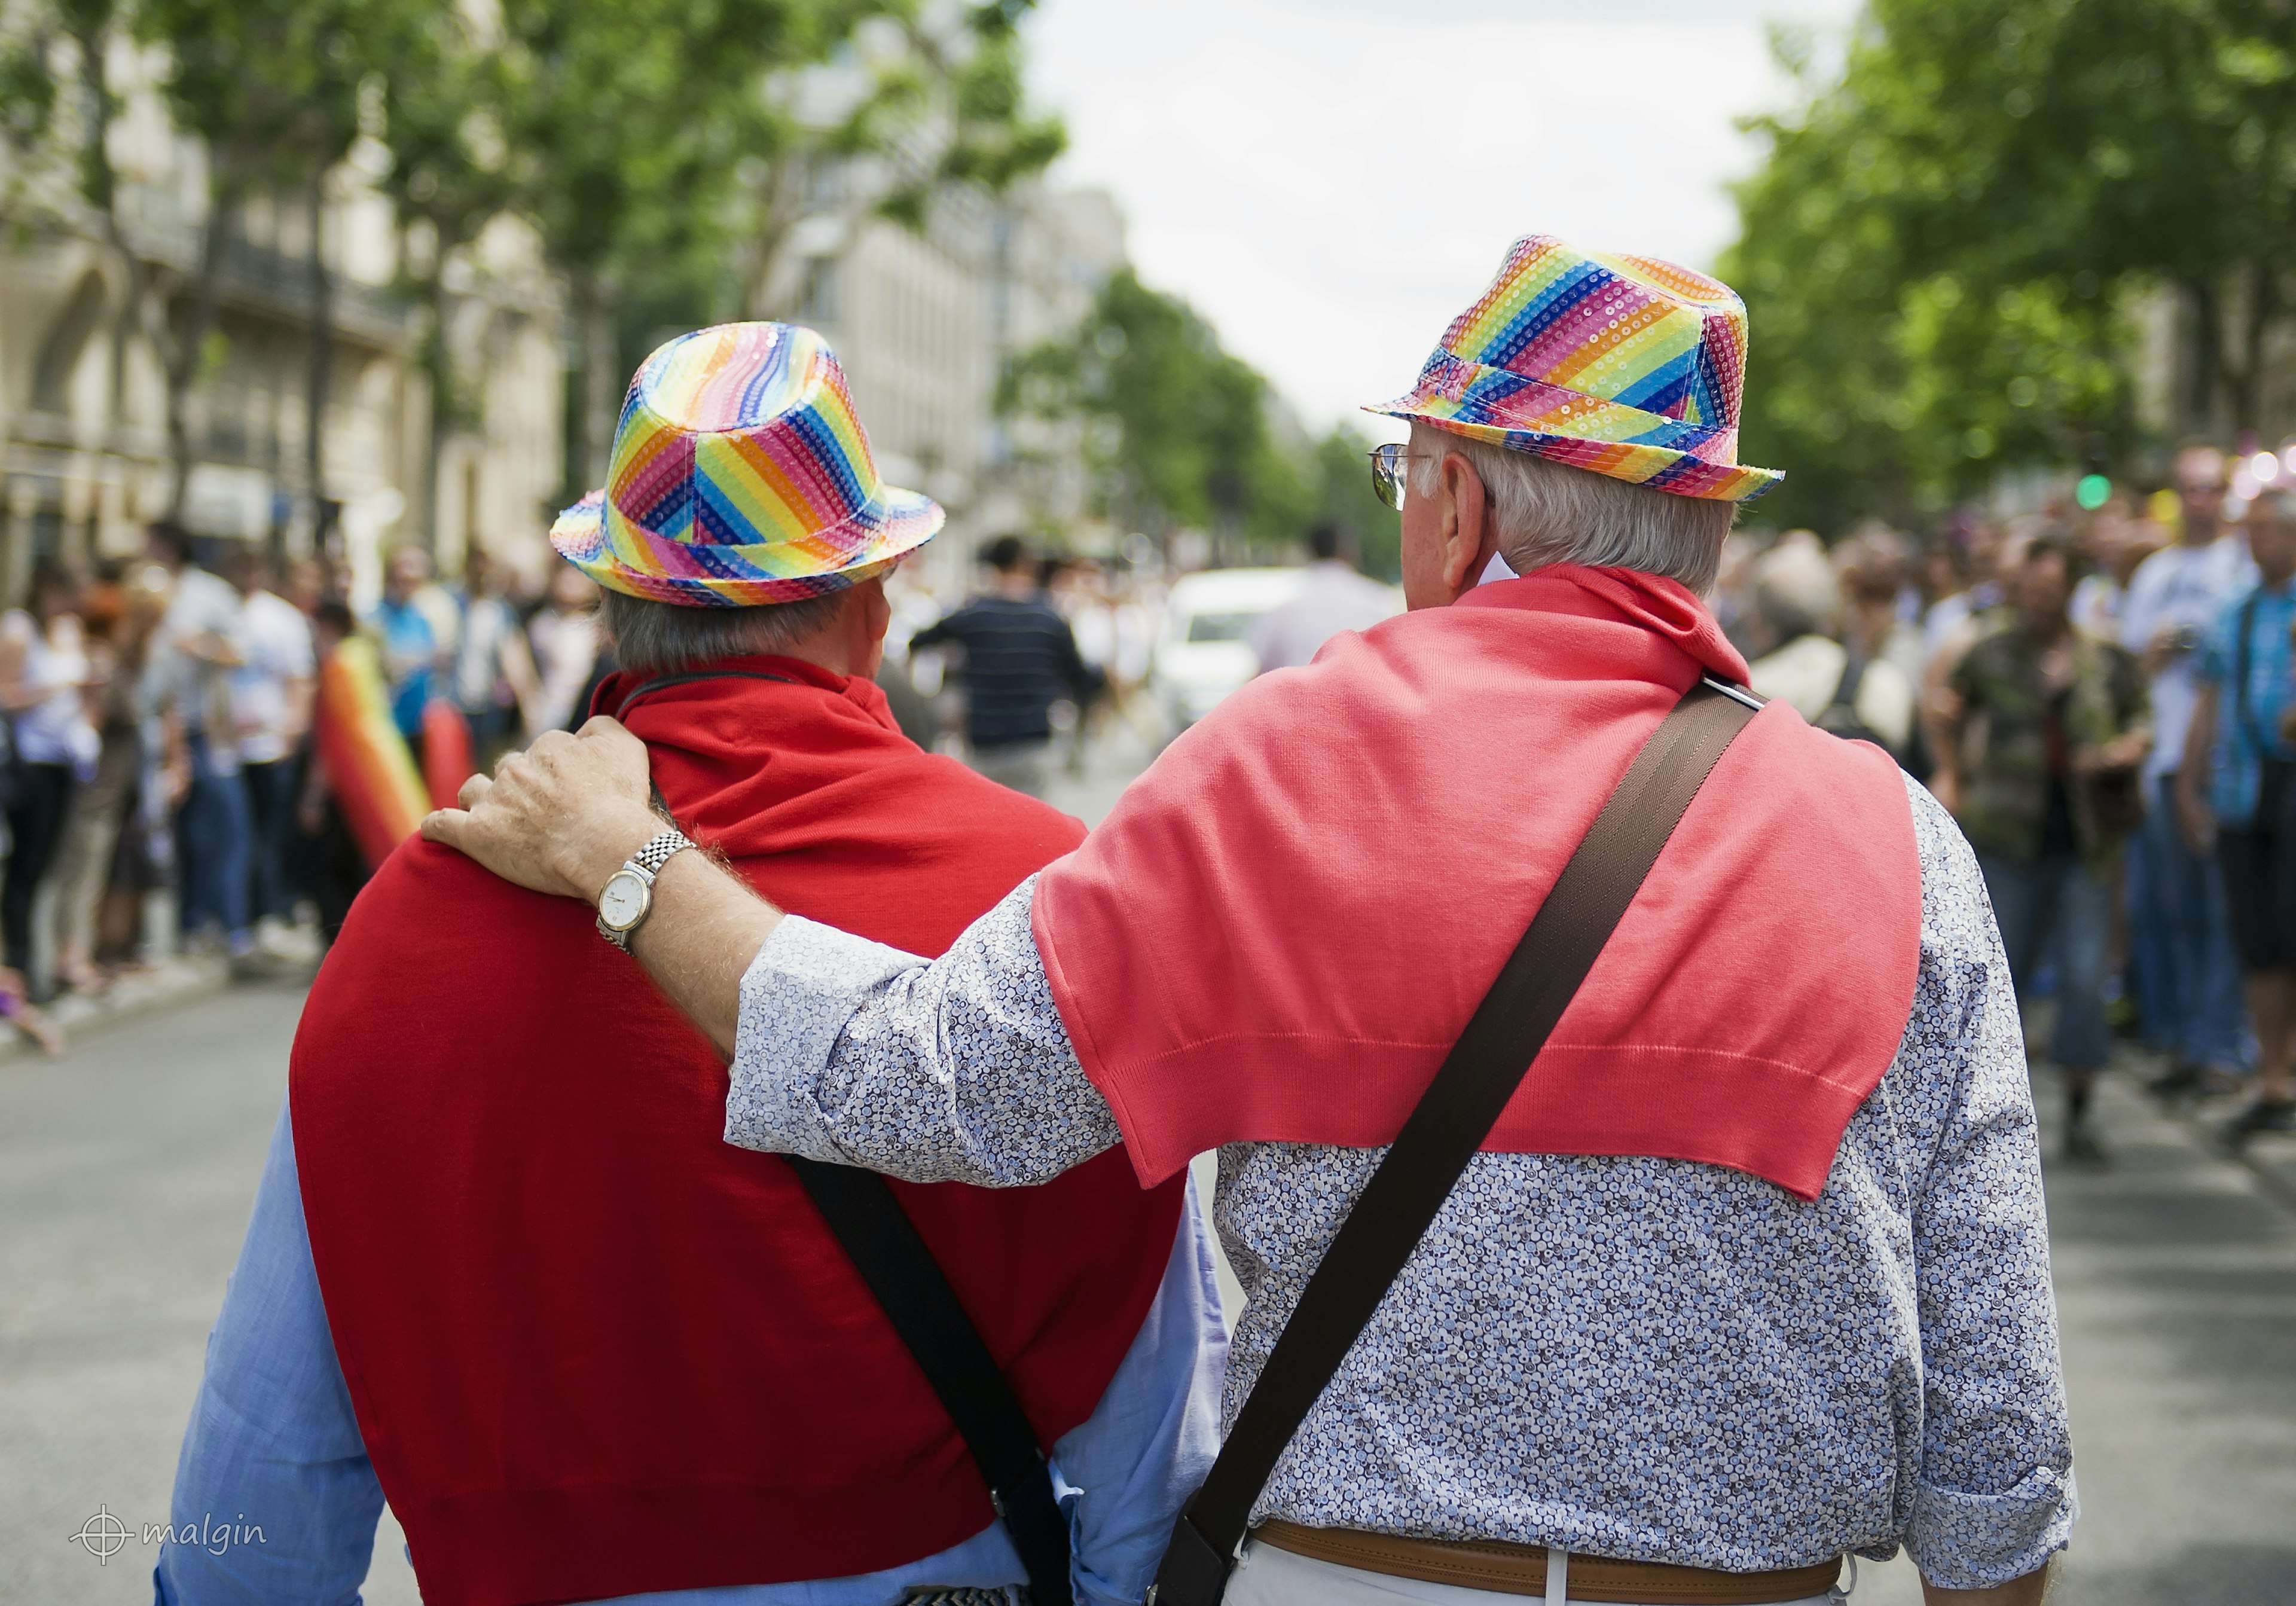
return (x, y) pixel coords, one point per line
(2234, 770)
(1650, 1359)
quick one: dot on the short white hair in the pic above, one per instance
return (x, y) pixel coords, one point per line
(1550, 513)
(653, 637)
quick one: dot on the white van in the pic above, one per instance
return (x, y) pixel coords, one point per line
(1205, 652)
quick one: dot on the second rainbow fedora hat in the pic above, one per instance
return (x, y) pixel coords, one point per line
(740, 476)
(1625, 367)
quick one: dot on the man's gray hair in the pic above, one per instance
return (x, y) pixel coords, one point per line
(1550, 513)
(662, 638)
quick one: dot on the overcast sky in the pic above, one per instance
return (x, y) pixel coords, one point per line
(1330, 181)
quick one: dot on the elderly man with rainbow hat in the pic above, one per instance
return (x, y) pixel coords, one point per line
(502, 1271)
(1623, 1129)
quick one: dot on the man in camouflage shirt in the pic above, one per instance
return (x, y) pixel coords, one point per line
(2047, 727)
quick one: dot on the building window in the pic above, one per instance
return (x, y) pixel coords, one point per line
(47, 534)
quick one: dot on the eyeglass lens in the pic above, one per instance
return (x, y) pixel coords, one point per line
(1386, 473)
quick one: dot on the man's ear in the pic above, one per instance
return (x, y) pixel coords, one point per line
(1469, 534)
(867, 616)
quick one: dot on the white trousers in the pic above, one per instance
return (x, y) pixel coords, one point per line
(1269, 1577)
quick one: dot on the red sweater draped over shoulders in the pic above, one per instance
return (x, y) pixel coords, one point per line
(593, 1349)
(1285, 925)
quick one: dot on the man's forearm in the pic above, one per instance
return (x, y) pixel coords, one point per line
(705, 929)
(957, 1069)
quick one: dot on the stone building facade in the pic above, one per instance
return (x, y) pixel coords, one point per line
(85, 456)
(924, 319)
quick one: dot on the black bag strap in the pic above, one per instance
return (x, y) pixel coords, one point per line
(931, 1323)
(923, 1309)
(1852, 681)
(1453, 1117)
(662, 682)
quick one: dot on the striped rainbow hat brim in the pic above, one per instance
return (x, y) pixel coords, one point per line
(623, 556)
(1571, 427)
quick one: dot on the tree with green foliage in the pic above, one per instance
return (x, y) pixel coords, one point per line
(1340, 492)
(1176, 428)
(964, 94)
(1942, 248)
(629, 120)
(450, 174)
(940, 110)
(275, 89)
(663, 151)
(2153, 140)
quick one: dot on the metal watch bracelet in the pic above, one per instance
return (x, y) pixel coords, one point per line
(646, 863)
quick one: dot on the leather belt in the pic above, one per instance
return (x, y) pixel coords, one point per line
(1504, 1569)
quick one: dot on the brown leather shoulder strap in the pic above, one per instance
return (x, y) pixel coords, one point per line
(1453, 1117)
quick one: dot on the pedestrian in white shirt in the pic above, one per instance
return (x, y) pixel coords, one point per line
(2188, 976)
(186, 692)
(270, 693)
(1334, 598)
(1838, 670)
(564, 637)
(491, 660)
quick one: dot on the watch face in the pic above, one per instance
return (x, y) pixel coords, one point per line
(623, 901)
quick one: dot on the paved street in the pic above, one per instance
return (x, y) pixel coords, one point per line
(126, 1174)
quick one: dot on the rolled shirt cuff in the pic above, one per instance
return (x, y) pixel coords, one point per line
(806, 983)
(1964, 1540)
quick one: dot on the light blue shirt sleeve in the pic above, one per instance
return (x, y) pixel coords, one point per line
(273, 1446)
(276, 1503)
(1125, 1472)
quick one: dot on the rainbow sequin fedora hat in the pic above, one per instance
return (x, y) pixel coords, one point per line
(1624, 365)
(740, 476)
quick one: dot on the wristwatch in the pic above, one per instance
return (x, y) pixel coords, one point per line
(627, 898)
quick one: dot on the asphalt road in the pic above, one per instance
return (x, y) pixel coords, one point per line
(126, 1174)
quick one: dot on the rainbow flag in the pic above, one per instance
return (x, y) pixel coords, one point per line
(448, 761)
(376, 783)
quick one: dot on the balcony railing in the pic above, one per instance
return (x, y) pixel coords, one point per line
(260, 279)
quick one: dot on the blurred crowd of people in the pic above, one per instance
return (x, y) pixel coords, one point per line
(160, 720)
(2102, 698)
(160, 713)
